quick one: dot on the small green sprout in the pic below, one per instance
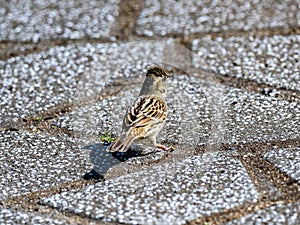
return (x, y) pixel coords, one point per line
(107, 138)
(38, 119)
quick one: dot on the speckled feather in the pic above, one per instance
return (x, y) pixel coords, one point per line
(146, 113)
(145, 118)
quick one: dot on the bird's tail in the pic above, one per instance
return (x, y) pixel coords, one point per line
(122, 143)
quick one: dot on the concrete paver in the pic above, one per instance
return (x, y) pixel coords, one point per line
(252, 117)
(170, 193)
(31, 162)
(275, 214)
(287, 160)
(269, 60)
(68, 72)
(239, 116)
(11, 217)
(42, 81)
(38, 82)
(187, 103)
(32, 21)
(188, 17)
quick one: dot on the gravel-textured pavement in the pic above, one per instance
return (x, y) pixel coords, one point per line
(68, 72)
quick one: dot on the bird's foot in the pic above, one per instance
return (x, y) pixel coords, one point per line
(165, 148)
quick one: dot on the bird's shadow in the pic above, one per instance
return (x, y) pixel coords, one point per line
(104, 160)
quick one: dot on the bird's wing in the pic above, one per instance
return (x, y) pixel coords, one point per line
(145, 111)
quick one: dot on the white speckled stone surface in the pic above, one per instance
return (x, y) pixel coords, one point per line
(34, 21)
(188, 17)
(171, 193)
(31, 162)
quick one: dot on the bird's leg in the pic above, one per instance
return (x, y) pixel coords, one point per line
(160, 146)
(163, 147)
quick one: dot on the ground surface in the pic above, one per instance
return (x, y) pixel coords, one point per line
(68, 72)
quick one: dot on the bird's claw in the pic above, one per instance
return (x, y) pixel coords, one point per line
(165, 148)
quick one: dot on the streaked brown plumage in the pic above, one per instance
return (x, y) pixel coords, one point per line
(147, 115)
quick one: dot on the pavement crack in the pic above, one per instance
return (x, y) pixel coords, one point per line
(42, 121)
(32, 199)
(9, 49)
(234, 213)
(270, 182)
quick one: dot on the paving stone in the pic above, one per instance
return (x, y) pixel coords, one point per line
(104, 161)
(274, 61)
(196, 117)
(31, 162)
(287, 160)
(186, 94)
(251, 117)
(284, 213)
(201, 111)
(188, 107)
(41, 81)
(12, 217)
(171, 193)
(33, 21)
(188, 17)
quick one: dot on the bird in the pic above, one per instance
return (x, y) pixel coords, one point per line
(145, 118)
